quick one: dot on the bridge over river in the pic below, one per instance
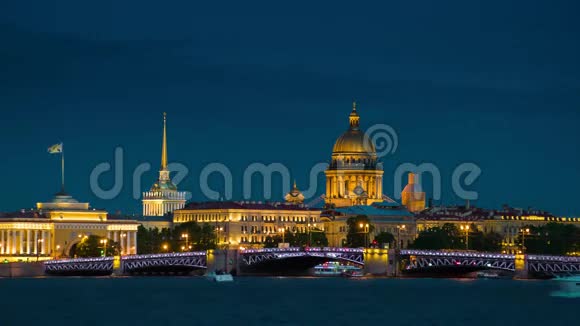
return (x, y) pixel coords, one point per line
(273, 261)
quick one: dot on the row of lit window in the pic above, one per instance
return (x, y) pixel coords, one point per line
(271, 229)
(271, 219)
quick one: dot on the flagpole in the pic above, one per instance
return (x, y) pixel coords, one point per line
(62, 167)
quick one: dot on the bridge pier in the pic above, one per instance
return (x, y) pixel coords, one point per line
(224, 260)
(376, 261)
(393, 260)
(521, 266)
(117, 266)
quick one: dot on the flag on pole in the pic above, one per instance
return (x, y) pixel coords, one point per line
(55, 149)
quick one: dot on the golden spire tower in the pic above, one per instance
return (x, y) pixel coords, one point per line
(354, 176)
(163, 196)
(164, 146)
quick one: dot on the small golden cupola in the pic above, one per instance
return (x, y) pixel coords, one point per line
(295, 196)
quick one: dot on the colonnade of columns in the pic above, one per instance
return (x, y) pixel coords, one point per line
(25, 242)
(127, 240)
(342, 185)
(160, 209)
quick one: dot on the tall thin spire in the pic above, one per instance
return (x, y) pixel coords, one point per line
(164, 146)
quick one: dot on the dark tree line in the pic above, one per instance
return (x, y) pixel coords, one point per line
(449, 236)
(358, 230)
(184, 237)
(316, 238)
(550, 239)
(95, 246)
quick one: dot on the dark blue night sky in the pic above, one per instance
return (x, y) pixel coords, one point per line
(493, 83)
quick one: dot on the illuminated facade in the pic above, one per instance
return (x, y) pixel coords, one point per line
(353, 188)
(507, 222)
(163, 196)
(354, 176)
(386, 216)
(247, 223)
(53, 230)
(412, 196)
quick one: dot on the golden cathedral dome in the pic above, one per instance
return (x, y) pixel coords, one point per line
(354, 140)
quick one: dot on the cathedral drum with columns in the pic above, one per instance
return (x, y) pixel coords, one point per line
(354, 176)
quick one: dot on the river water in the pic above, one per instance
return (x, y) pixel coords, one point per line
(282, 301)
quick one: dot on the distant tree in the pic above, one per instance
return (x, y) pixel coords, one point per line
(384, 238)
(491, 242)
(208, 237)
(91, 246)
(272, 241)
(356, 235)
(445, 237)
(301, 239)
(193, 236)
(152, 241)
(318, 238)
(551, 239)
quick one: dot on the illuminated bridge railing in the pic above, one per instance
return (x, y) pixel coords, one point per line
(161, 262)
(434, 258)
(553, 265)
(568, 259)
(101, 265)
(254, 256)
(308, 249)
(463, 254)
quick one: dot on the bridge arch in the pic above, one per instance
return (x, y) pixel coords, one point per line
(296, 260)
(71, 247)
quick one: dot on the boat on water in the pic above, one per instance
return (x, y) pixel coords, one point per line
(488, 274)
(569, 287)
(336, 269)
(353, 273)
(220, 277)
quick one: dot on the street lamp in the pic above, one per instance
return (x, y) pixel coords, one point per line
(186, 237)
(399, 228)
(165, 247)
(366, 230)
(218, 230)
(524, 232)
(104, 243)
(56, 252)
(310, 226)
(124, 235)
(466, 228)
